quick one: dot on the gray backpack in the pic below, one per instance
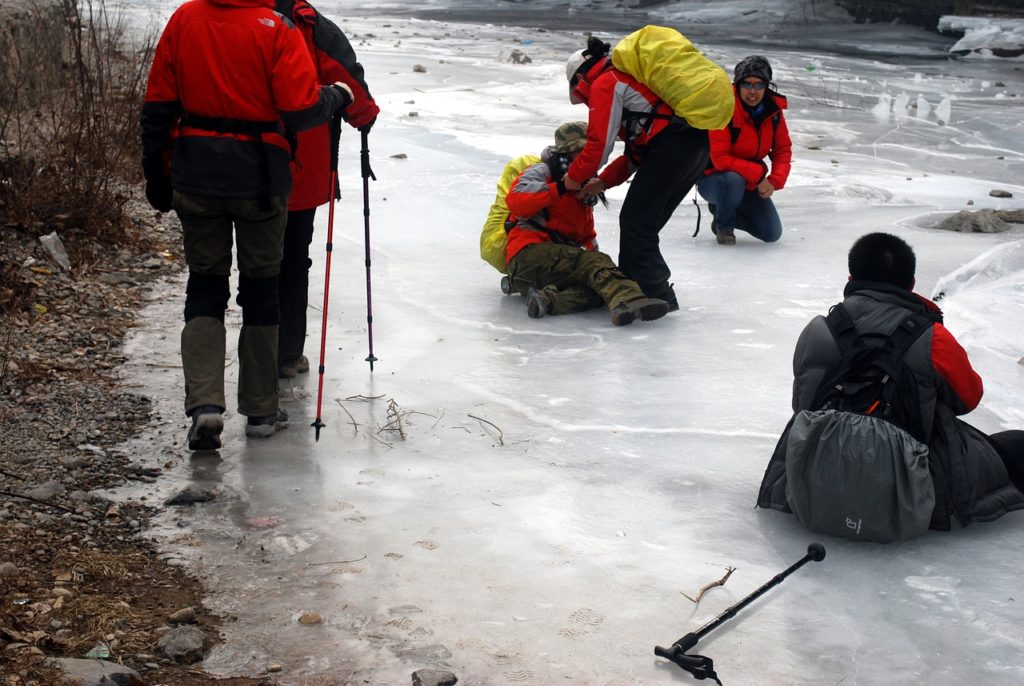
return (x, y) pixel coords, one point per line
(857, 464)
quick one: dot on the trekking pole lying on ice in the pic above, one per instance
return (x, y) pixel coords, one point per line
(364, 156)
(703, 667)
(333, 194)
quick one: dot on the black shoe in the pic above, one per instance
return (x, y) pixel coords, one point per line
(207, 425)
(668, 294)
(645, 309)
(265, 427)
(537, 303)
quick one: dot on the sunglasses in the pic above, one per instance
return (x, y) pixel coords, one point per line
(750, 85)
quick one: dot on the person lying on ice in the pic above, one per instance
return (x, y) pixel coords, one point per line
(552, 247)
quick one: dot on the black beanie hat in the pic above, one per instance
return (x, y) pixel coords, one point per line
(754, 65)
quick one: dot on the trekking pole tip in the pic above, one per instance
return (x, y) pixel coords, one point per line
(816, 552)
(371, 359)
(318, 424)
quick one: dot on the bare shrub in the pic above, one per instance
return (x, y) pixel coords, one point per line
(70, 125)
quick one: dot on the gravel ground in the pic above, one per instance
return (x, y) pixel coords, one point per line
(76, 571)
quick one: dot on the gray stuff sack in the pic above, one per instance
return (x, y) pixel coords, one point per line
(858, 477)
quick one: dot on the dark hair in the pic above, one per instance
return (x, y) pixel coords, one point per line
(596, 47)
(883, 257)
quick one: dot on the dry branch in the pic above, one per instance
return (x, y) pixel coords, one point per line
(394, 422)
(355, 426)
(36, 500)
(501, 436)
(708, 587)
(335, 562)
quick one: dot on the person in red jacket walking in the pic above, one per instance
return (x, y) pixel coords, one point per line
(230, 81)
(551, 249)
(335, 61)
(739, 185)
(667, 155)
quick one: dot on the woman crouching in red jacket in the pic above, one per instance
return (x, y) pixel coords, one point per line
(738, 185)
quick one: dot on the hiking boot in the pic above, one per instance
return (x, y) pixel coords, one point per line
(290, 369)
(207, 425)
(668, 294)
(646, 309)
(538, 303)
(264, 427)
(722, 235)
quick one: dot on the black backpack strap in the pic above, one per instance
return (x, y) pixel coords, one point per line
(841, 325)
(908, 331)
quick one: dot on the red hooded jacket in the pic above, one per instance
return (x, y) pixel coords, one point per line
(741, 146)
(619, 108)
(335, 60)
(537, 209)
(225, 74)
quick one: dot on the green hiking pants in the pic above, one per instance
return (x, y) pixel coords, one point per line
(209, 225)
(573, 278)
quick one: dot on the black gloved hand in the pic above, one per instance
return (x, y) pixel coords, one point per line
(347, 98)
(159, 194)
(365, 128)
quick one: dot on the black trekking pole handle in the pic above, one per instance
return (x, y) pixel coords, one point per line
(698, 665)
(335, 138)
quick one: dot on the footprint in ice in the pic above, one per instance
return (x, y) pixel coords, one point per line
(524, 675)
(427, 544)
(585, 615)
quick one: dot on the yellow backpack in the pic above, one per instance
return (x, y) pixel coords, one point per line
(493, 235)
(664, 60)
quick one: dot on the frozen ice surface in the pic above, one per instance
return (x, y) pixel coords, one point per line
(526, 501)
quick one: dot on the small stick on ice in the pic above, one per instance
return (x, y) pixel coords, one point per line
(484, 421)
(708, 587)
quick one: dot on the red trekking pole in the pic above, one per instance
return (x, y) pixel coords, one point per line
(333, 193)
(364, 157)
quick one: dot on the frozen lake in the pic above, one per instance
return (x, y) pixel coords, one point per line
(527, 501)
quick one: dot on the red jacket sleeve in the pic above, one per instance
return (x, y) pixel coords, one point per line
(161, 109)
(617, 172)
(603, 126)
(336, 61)
(781, 154)
(950, 360)
(293, 78)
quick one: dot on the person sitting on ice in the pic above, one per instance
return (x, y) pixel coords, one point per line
(738, 185)
(966, 474)
(551, 246)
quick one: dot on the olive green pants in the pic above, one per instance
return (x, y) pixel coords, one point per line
(573, 278)
(209, 226)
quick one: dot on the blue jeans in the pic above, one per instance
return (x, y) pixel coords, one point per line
(738, 208)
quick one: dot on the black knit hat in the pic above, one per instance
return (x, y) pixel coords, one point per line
(753, 65)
